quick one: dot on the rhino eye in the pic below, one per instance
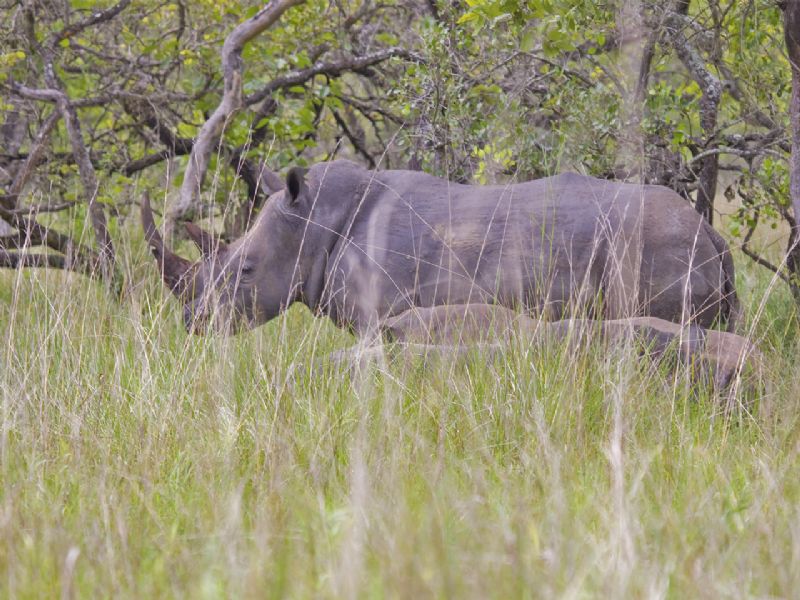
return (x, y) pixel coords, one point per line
(247, 269)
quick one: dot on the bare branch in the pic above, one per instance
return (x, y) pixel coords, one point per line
(34, 230)
(758, 259)
(90, 185)
(331, 69)
(355, 140)
(19, 240)
(566, 70)
(44, 208)
(690, 58)
(94, 19)
(140, 164)
(734, 151)
(79, 151)
(211, 131)
(45, 95)
(17, 260)
(26, 170)
(366, 109)
(146, 112)
(764, 263)
(108, 96)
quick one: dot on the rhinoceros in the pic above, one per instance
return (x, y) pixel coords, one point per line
(442, 330)
(361, 246)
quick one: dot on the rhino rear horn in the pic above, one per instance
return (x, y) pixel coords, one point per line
(204, 240)
(175, 270)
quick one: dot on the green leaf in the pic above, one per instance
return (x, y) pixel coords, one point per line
(527, 42)
(466, 17)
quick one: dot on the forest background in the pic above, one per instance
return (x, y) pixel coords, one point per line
(137, 460)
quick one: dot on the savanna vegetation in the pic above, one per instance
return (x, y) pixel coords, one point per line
(138, 461)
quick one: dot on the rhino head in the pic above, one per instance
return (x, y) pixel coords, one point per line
(247, 282)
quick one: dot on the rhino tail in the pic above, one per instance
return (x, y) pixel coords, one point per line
(731, 309)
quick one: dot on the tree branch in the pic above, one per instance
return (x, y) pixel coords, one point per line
(211, 131)
(24, 173)
(140, 164)
(756, 257)
(79, 151)
(356, 141)
(44, 208)
(19, 240)
(709, 107)
(31, 233)
(17, 260)
(94, 19)
(764, 263)
(331, 69)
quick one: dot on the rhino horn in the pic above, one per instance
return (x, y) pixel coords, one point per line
(204, 240)
(176, 271)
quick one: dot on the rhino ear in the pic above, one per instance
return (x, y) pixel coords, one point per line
(270, 181)
(296, 183)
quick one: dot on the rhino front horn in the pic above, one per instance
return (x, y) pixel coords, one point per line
(176, 271)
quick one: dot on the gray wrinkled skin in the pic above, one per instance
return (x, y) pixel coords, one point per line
(363, 246)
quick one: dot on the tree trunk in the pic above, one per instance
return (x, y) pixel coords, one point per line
(711, 88)
(791, 30)
(634, 65)
(707, 181)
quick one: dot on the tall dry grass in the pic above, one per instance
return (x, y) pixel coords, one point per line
(139, 462)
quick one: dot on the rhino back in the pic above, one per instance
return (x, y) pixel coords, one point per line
(540, 246)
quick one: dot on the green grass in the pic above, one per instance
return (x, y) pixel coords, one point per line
(139, 462)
